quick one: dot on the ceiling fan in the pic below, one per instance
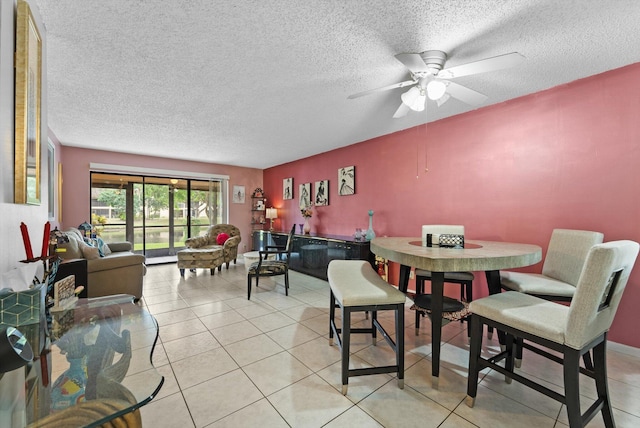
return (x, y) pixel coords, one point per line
(430, 80)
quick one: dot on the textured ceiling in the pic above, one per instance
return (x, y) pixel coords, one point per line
(259, 83)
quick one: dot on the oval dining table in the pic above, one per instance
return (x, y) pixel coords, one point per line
(487, 256)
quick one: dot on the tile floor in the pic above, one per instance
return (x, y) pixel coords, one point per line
(231, 362)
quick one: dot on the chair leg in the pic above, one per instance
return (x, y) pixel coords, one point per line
(182, 273)
(474, 356)
(212, 270)
(469, 292)
(519, 349)
(571, 372)
(600, 369)
(400, 344)
(332, 315)
(588, 363)
(286, 283)
(509, 360)
(346, 332)
(374, 330)
(419, 290)
(248, 287)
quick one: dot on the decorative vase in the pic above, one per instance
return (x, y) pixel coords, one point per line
(301, 226)
(68, 390)
(307, 226)
(370, 233)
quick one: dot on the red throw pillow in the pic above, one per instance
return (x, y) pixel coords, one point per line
(222, 238)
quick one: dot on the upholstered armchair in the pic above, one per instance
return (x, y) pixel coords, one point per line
(229, 244)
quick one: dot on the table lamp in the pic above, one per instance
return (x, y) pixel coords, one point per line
(272, 213)
(15, 350)
(85, 227)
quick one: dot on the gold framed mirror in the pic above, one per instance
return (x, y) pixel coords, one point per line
(28, 105)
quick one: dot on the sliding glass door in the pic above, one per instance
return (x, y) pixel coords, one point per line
(156, 214)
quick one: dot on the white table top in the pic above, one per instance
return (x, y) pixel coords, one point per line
(476, 256)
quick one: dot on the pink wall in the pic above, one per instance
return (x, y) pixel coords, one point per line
(563, 158)
(76, 183)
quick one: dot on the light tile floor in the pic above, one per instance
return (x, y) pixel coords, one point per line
(231, 362)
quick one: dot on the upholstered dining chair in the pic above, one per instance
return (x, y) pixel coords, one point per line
(571, 331)
(561, 270)
(465, 279)
(272, 266)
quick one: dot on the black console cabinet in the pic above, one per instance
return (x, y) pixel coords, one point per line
(311, 254)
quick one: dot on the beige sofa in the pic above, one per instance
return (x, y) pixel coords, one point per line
(119, 271)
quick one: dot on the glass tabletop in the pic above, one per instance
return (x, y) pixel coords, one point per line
(97, 366)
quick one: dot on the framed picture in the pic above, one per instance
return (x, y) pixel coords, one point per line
(51, 180)
(347, 181)
(238, 195)
(287, 188)
(322, 193)
(27, 104)
(305, 195)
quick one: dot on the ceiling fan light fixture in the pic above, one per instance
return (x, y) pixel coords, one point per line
(436, 89)
(414, 98)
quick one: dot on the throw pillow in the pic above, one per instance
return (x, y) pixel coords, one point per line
(222, 238)
(103, 248)
(89, 252)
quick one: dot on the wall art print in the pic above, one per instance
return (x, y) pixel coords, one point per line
(305, 195)
(347, 181)
(238, 194)
(287, 188)
(321, 197)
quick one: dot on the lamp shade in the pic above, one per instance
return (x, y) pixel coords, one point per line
(414, 98)
(85, 226)
(436, 89)
(272, 213)
(15, 350)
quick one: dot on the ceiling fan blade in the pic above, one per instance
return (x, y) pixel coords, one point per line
(465, 94)
(484, 65)
(384, 88)
(402, 111)
(413, 62)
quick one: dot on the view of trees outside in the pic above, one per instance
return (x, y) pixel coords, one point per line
(151, 213)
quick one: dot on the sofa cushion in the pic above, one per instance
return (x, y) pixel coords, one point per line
(222, 238)
(114, 261)
(89, 252)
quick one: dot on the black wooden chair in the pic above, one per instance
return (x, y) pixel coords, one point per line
(274, 260)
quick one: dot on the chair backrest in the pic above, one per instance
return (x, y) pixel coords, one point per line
(217, 229)
(290, 242)
(599, 290)
(440, 229)
(567, 253)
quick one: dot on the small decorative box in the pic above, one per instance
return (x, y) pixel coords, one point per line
(451, 241)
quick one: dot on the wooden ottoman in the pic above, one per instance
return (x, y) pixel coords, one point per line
(201, 258)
